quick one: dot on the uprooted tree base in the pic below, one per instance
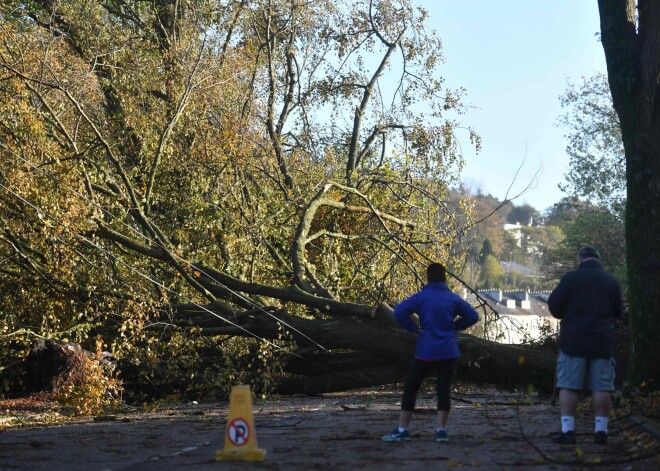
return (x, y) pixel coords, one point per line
(52, 365)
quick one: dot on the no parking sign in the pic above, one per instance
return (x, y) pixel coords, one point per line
(238, 432)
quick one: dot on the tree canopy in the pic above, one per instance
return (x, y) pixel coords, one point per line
(597, 165)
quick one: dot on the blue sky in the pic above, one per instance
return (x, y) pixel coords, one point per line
(515, 58)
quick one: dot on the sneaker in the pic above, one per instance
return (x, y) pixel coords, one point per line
(396, 436)
(441, 436)
(567, 438)
(600, 438)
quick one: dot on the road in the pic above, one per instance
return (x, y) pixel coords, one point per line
(489, 430)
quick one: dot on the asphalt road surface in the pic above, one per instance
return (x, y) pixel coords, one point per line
(488, 430)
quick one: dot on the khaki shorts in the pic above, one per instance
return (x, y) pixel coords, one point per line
(592, 374)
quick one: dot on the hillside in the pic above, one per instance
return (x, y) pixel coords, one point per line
(510, 245)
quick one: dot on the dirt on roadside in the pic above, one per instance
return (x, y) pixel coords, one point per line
(489, 430)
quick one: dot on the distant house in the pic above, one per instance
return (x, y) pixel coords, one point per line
(522, 238)
(515, 231)
(523, 315)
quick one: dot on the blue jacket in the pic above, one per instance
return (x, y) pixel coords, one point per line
(441, 314)
(586, 300)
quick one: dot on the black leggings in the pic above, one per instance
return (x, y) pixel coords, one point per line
(418, 371)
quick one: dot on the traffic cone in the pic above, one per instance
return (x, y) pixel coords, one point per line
(241, 437)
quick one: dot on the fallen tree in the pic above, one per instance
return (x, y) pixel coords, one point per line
(231, 171)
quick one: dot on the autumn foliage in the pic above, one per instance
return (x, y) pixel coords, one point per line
(165, 166)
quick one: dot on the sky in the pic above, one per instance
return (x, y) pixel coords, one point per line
(515, 58)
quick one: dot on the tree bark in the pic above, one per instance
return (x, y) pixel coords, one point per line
(631, 41)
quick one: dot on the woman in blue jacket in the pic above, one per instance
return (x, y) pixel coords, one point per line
(441, 314)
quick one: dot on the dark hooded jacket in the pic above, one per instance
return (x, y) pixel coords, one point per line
(586, 300)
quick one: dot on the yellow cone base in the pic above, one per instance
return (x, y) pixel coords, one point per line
(238, 455)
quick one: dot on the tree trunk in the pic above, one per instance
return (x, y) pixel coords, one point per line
(643, 257)
(631, 40)
(348, 353)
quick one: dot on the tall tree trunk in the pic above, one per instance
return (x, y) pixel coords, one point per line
(631, 40)
(643, 256)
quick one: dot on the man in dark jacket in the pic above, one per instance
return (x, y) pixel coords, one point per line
(586, 300)
(441, 314)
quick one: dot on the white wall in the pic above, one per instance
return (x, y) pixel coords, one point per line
(517, 329)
